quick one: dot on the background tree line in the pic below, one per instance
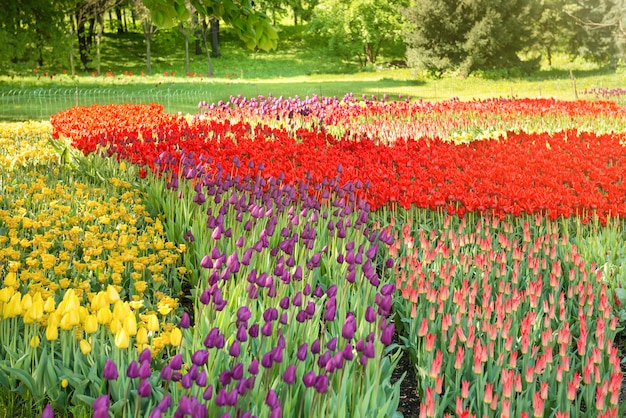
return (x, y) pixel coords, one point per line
(439, 35)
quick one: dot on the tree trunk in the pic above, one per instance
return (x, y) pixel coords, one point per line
(206, 48)
(215, 37)
(120, 23)
(83, 42)
(100, 18)
(186, 34)
(148, 63)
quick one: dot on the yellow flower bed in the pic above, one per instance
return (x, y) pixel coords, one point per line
(25, 143)
(79, 257)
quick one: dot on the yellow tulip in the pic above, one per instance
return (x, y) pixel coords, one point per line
(10, 280)
(142, 336)
(130, 324)
(6, 293)
(104, 315)
(52, 332)
(91, 324)
(112, 294)
(49, 305)
(115, 325)
(70, 320)
(141, 286)
(64, 383)
(27, 302)
(85, 347)
(35, 341)
(176, 336)
(122, 339)
(14, 307)
(152, 323)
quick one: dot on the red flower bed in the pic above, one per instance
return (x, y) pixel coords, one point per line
(561, 174)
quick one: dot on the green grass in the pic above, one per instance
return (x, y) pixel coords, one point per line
(299, 66)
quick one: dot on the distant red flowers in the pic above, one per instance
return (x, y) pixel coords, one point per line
(564, 173)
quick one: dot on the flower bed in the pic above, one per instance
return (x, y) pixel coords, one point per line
(306, 232)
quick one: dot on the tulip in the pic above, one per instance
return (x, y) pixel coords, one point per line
(100, 406)
(109, 372)
(47, 412)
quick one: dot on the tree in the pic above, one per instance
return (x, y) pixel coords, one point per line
(148, 28)
(250, 25)
(357, 28)
(32, 32)
(468, 35)
(600, 30)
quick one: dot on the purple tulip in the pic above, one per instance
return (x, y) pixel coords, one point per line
(370, 314)
(284, 318)
(201, 379)
(166, 372)
(100, 407)
(132, 370)
(267, 359)
(237, 372)
(297, 299)
(309, 379)
(176, 362)
(205, 297)
(347, 352)
(289, 375)
(323, 359)
(208, 393)
(387, 335)
(145, 356)
(310, 308)
(332, 344)
(185, 322)
(315, 347)
(253, 331)
(253, 368)
(165, 403)
(234, 349)
(271, 399)
(321, 383)
(206, 262)
(110, 370)
(233, 263)
(267, 329)
(369, 351)
(242, 333)
(349, 327)
(225, 377)
(144, 370)
(47, 412)
(199, 358)
(302, 351)
(144, 389)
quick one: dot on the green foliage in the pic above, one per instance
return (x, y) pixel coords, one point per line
(250, 25)
(596, 29)
(357, 28)
(470, 35)
(33, 33)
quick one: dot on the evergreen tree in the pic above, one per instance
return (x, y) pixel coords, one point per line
(600, 29)
(469, 34)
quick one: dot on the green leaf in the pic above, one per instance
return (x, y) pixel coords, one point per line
(25, 378)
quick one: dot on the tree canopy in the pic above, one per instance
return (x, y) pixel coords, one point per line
(252, 26)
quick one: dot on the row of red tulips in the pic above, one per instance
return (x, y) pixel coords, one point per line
(560, 174)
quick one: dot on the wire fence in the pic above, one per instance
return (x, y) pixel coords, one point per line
(40, 103)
